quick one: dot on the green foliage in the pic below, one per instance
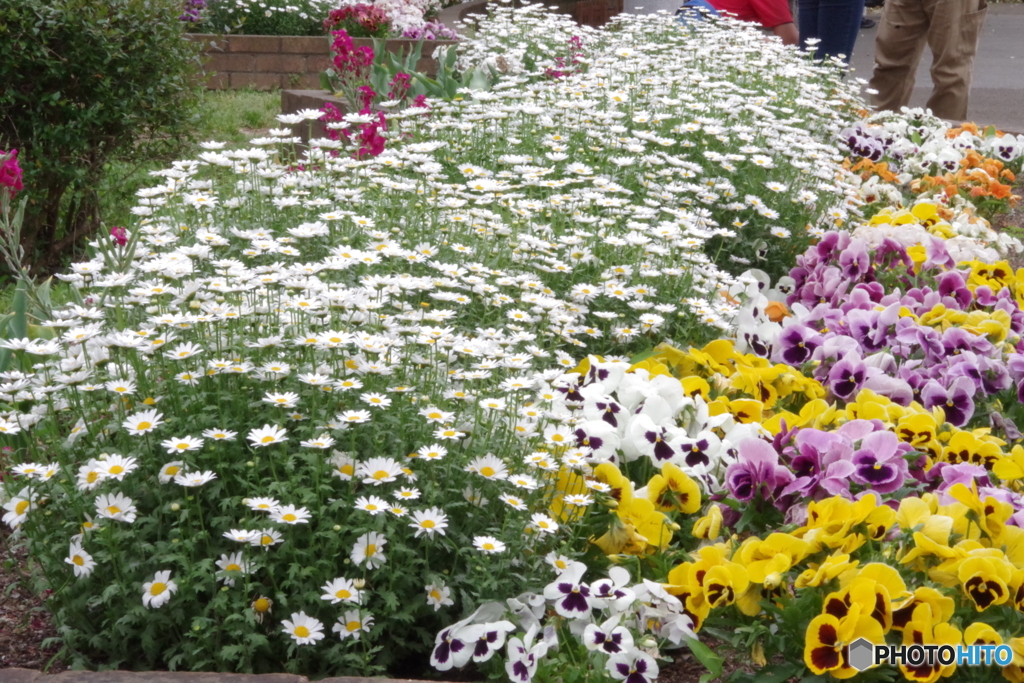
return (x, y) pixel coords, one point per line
(88, 84)
(274, 18)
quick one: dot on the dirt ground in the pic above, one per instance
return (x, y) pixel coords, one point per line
(24, 621)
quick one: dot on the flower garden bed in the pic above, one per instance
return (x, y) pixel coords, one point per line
(593, 13)
(652, 341)
(272, 62)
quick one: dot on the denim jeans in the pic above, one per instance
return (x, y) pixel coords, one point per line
(834, 22)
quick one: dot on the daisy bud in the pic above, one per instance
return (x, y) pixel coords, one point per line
(175, 507)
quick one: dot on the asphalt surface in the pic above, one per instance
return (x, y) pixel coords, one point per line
(997, 88)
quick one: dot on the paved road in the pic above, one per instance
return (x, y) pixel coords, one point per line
(997, 92)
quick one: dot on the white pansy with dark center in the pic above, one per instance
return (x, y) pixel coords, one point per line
(570, 595)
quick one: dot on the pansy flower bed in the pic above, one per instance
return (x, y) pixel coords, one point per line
(502, 391)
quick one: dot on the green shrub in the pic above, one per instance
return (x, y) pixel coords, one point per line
(273, 18)
(88, 84)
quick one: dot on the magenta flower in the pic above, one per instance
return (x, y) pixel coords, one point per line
(120, 235)
(10, 172)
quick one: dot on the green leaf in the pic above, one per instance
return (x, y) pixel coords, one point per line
(711, 661)
(19, 320)
(641, 357)
(479, 80)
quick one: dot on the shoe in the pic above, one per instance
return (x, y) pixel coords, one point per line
(868, 23)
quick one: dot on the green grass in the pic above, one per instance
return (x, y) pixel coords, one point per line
(232, 116)
(60, 294)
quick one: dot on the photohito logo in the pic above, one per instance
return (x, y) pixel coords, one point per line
(865, 654)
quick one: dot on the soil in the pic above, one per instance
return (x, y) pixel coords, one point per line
(24, 621)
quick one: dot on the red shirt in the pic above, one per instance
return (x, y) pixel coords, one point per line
(768, 13)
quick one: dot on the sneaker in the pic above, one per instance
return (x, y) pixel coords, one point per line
(868, 23)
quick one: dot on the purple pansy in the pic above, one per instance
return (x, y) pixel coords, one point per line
(957, 402)
(757, 471)
(879, 464)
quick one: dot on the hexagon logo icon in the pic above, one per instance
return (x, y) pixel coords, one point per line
(862, 654)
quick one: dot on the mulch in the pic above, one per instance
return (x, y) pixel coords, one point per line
(24, 621)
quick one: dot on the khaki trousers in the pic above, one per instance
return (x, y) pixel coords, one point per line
(951, 29)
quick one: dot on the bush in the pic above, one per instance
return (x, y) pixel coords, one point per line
(86, 84)
(274, 18)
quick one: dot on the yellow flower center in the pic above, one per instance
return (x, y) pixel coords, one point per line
(232, 568)
(266, 540)
(428, 524)
(435, 594)
(353, 626)
(157, 588)
(289, 517)
(380, 474)
(143, 425)
(302, 632)
(487, 471)
(343, 594)
(371, 550)
(116, 469)
(172, 470)
(113, 509)
(92, 477)
(261, 605)
(266, 439)
(488, 546)
(78, 560)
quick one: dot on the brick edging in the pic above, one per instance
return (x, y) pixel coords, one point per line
(280, 62)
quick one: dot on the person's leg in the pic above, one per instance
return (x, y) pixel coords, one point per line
(807, 21)
(856, 16)
(901, 38)
(953, 39)
(835, 24)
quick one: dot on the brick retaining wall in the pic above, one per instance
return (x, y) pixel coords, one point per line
(263, 62)
(272, 62)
